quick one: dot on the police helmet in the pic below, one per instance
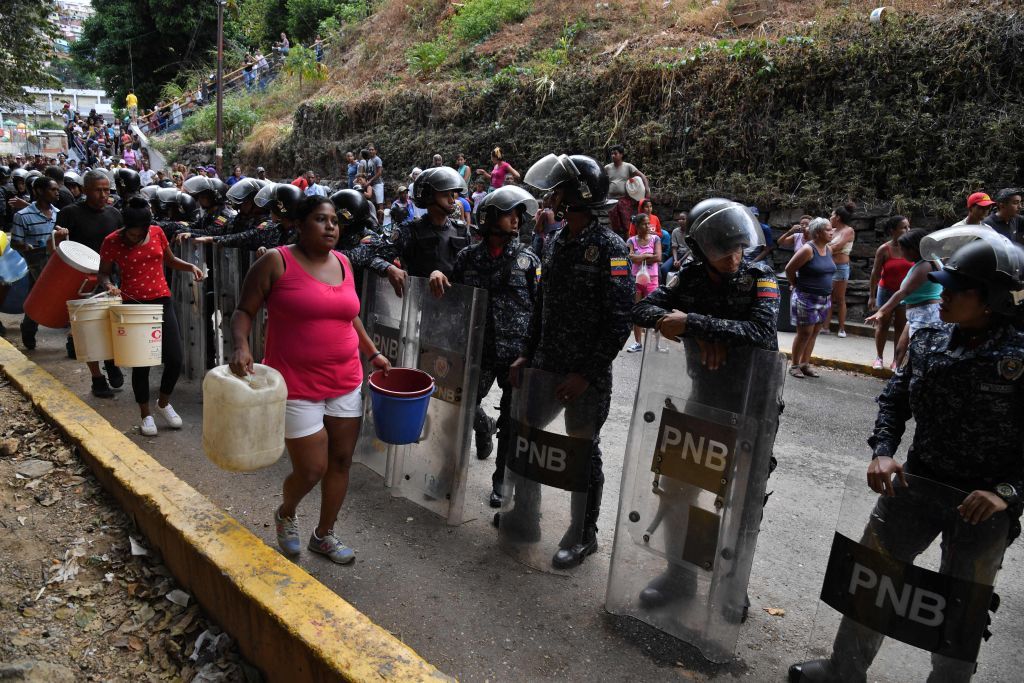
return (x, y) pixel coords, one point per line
(242, 191)
(72, 178)
(167, 182)
(582, 180)
(352, 208)
(978, 258)
(197, 185)
(186, 207)
(5, 173)
(718, 227)
(282, 198)
(19, 174)
(504, 200)
(32, 175)
(127, 182)
(433, 180)
(150, 192)
(220, 188)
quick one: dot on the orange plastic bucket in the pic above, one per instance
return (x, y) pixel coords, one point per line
(69, 274)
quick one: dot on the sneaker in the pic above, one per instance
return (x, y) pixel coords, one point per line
(100, 388)
(148, 426)
(287, 534)
(172, 419)
(877, 365)
(824, 330)
(333, 548)
(635, 347)
(893, 366)
(842, 334)
(114, 376)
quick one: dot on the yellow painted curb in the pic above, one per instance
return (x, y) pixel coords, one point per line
(286, 622)
(849, 366)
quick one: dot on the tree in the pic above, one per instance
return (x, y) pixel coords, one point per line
(25, 33)
(302, 62)
(143, 44)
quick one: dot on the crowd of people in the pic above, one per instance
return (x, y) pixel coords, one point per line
(574, 259)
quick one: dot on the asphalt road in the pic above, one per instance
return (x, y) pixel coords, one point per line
(477, 614)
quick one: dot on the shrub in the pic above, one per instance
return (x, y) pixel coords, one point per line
(427, 57)
(239, 120)
(477, 19)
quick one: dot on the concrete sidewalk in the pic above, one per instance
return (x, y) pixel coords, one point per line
(853, 353)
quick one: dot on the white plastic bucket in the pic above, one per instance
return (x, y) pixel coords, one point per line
(90, 327)
(880, 14)
(136, 331)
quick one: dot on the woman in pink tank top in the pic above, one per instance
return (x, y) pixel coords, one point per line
(314, 337)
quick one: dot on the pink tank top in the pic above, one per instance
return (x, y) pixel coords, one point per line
(310, 337)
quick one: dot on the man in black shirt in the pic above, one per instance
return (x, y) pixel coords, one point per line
(89, 223)
(65, 197)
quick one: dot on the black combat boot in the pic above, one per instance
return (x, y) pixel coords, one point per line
(484, 428)
(576, 545)
(814, 671)
(673, 584)
(522, 522)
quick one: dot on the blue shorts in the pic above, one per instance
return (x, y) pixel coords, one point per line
(883, 295)
(842, 272)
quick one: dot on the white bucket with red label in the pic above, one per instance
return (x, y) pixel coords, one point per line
(136, 331)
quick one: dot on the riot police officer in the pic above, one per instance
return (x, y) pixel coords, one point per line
(211, 195)
(75, 185)
(176, 210)
(720, 301)
(508, 270)
(280, 200)
(356, 219)
(241, 199)
(963, 384)
(582, 314)
(428, 245)
(128, 184)
(6, 192)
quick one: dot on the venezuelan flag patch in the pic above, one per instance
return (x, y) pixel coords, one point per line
(537, 275)
(620, 267)
(767, 289)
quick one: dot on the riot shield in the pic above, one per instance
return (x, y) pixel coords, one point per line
(547, 470)
(443, 337)
(227, 279)
(909, 584)
(693, 489)
(191, 309)
(381, 311)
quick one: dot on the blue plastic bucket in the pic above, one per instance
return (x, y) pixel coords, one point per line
(14, 302)
(399, 401)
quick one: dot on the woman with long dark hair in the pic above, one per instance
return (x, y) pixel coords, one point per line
(841, 245)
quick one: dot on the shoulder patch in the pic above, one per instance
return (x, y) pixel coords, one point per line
(523, 262)
(1011, 368)
(591, 254)
(767, 289)
(620, 267)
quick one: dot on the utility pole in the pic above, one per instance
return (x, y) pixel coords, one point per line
(220, 86)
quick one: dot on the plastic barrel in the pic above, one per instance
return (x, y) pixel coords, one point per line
(399, 401)
(90, 327)
(136, 331)
(70, 272)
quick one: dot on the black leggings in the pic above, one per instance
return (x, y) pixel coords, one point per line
(171, 349)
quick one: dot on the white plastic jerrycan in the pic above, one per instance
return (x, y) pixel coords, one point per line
(243, 419)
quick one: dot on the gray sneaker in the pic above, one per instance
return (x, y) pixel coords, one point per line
(332, 547)
(287, 534)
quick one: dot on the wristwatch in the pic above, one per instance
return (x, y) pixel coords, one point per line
(1007, 493)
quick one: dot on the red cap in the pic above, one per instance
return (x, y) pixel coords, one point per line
(979, 199)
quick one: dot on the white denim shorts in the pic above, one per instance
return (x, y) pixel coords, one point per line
(305, 418)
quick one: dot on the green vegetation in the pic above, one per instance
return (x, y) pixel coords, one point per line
(474, 21)
(850, 110)
(24, 30)
(240, 117)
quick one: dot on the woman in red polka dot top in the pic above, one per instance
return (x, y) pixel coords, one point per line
(140, 250)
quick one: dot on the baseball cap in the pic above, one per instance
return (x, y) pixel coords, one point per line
(953, 281)
(979, 199)
(402, 188)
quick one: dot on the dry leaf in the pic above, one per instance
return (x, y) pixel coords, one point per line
(775, 611)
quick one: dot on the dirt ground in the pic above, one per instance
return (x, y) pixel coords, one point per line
(82, 598)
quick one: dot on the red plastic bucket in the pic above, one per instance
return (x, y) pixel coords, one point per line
(400, 401)
(69, 274)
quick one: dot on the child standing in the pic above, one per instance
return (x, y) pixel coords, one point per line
(645, 254)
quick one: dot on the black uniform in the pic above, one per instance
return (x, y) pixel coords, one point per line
(360, 246)
(267, 234)
(511, 280)
(968, 405)
(582, 316)
(422, 247)
(742, 311)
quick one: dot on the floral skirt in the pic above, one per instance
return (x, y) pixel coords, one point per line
(809, 309)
